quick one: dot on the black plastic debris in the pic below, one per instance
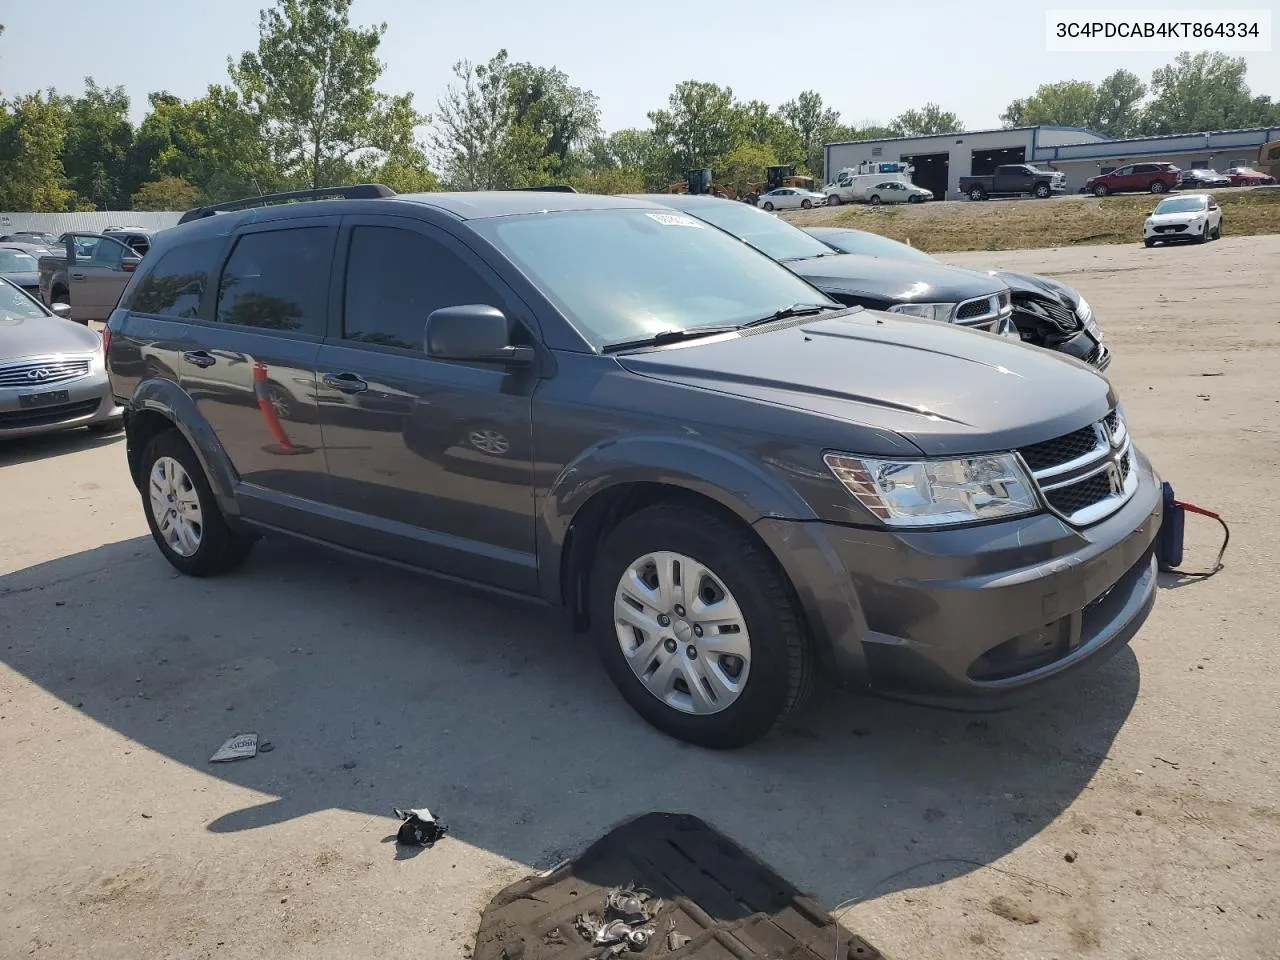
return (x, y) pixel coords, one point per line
(420, 828)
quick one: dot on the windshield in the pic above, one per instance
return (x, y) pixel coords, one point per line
(624, 274)
(16, 306)
(1181, 205)
(764, 231)
(15, 261)
(870, 245)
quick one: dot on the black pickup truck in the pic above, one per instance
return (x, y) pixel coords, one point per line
(1014, 179)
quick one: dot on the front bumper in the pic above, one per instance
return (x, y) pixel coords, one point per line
(1189, 231)
(89, 401)
(981, 613)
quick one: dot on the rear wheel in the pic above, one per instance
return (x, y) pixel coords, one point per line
(182, 513)
(696, 627)
(1042, 190)
(1100, 190)
(977, 193)
(1217, 231)
(1157, 186)
(875, 199)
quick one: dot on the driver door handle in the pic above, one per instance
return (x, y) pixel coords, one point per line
(345, 382)
(77, 276)
(199, 358)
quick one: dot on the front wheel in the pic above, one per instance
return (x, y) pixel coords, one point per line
(1149, 243)
(1042, 191)
(1157, 186)
(806, 203)
(1100, 190)
(696, 627)
(768, 205)
(875, 199)
(833, 200)
(182, 513)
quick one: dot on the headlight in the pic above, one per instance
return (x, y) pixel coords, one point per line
(1083, 310)
(929, 311)
(920, 493)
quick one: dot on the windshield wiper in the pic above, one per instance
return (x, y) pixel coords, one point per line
(667, 336)
(795, 310)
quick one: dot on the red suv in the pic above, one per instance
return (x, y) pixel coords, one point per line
(1144, 177)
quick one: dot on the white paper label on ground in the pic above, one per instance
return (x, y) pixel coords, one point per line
(674, 220)
(239, 747)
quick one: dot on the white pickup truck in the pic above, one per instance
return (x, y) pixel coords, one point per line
(852, 183)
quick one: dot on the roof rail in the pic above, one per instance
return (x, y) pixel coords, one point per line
(550, 188)
(359, 191)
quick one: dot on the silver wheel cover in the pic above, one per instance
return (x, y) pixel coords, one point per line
(175, 505)
(682, 633)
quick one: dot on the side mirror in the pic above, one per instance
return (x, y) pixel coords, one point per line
(129, 264)
(61, 310)
(474, 331)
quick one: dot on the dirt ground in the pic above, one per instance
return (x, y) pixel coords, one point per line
(1136, 814)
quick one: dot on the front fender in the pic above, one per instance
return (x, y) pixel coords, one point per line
(730, 479)
(172, 402)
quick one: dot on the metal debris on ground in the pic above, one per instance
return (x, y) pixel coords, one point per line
(420, 827)
(625, 923)
(676, 939)
(240, 747)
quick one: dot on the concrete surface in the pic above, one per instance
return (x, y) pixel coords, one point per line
(1136, 814)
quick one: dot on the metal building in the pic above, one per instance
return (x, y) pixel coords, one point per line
(90, 222)
(941, 160)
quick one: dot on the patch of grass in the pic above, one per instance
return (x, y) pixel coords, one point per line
(1025, 224)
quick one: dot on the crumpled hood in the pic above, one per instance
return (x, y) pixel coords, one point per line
(894, 281)
(41, 336)
(946, 389)
(1042, 286)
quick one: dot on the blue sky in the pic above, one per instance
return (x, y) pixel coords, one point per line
(868, 60)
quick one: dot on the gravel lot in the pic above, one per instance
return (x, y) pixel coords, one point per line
(1137, 814)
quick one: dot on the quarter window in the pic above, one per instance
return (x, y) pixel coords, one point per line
(396, 278)
(278, 280)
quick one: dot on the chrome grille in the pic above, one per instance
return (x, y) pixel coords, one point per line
(42, 371)
(984, 313)
(1086, 475)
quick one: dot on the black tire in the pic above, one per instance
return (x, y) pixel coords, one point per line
(221, 548)
(780, 680)
(833, 200)
(874, 199)
(1042, 191)
(977, 193)
(1217, 231)
(806, 204)
(1149, 243)
(1100, 190)
(768, 205)
(1157, 186)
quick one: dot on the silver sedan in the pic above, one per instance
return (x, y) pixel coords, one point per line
(52, 375)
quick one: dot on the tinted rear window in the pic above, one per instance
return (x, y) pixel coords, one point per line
(278, 280)
(176, 285)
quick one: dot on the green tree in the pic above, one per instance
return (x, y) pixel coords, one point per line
(701, 124)
(96, 152)
(563, 116)
(478, 139)
(169, 193)
(744, 165)
(1203, 91)
(610, 180)
(33, 131)
(929, 119)
(311, 84)
(1118, 107)
(1069, 103)
(814, 125)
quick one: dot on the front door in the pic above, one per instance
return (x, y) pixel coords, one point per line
(104, 279)
(250, 365)
(430, 461)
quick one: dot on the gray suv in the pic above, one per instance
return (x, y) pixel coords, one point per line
(731, 482)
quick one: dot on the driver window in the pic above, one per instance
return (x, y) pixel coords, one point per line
(107, 253)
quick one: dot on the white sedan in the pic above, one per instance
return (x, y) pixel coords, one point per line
(895, 191)
(786, 198)
(1195, 217)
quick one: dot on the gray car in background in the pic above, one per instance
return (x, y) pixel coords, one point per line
(52, 374)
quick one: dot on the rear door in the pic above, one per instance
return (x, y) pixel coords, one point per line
(431, 461)
(249, 364)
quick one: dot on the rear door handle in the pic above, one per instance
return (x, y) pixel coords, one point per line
(77, 276)
(345, 382)
(199, 358)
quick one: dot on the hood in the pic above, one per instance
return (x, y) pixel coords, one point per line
(29, 278)
(1185, 217)
(39, 336)
(947, 390)
(1040, 286)
(894, 281)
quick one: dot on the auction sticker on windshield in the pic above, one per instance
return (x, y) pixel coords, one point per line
(675, 220)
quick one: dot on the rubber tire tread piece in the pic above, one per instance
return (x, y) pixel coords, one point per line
(781, 679)
(221, 548)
